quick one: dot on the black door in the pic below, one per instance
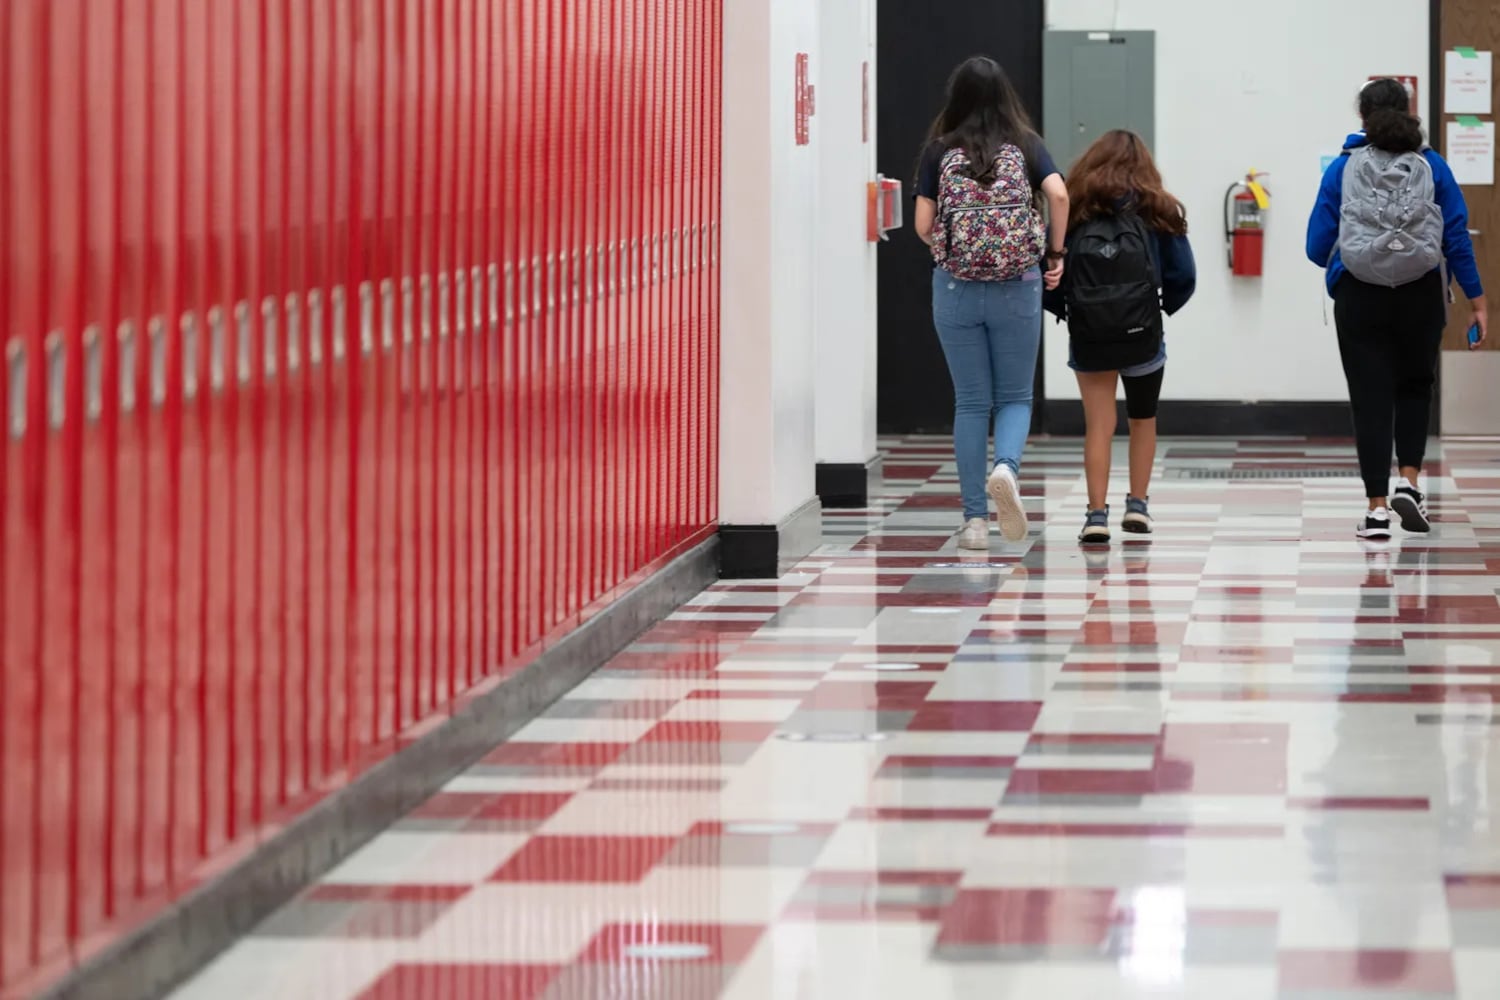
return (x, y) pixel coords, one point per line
(918, 46)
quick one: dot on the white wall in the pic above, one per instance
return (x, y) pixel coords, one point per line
(846, 276)
(1230, 97)
(798, 309)
(769, 244)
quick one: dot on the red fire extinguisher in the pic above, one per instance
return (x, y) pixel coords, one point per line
(1245, 206)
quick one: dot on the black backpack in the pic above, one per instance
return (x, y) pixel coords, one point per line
(1113, 295)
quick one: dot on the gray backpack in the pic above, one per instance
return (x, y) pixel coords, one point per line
(1391, 227)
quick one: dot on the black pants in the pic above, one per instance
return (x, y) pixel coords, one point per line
(1389, 339)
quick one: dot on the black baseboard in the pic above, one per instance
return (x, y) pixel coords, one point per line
(749, 551)
(847, 485)
(765, 551)
(1214, 418)
(170, 947)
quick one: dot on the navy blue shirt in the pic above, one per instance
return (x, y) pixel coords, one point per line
(1039, 166)
(1177, 277)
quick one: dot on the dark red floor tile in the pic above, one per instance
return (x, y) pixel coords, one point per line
(976, 717)
(1055, 917)
(432, 981)
(585, 859)
(1349, 803)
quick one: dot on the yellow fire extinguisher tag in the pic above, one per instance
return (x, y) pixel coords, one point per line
(1261, 195)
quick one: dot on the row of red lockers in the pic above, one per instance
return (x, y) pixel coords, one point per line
(356, 348)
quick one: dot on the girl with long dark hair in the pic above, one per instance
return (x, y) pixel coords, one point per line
(1127, 240)
(977, 208)
(1391, 227)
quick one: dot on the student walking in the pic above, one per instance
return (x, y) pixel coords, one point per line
(1391, 227)
(977, 208)
(1129, 263)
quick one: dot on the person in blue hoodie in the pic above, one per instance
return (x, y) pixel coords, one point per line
(1389, 338)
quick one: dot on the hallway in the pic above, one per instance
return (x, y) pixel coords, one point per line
(1246, 759)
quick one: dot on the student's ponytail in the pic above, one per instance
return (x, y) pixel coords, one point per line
(1394, 131)
(1389, 125)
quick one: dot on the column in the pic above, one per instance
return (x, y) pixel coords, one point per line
(769, 508)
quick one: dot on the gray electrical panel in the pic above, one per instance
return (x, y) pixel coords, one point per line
(1094, 81)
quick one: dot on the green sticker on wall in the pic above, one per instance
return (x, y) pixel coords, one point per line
(1469, 121)
(1466, 52)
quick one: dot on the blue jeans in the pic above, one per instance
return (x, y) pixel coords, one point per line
(990, 332)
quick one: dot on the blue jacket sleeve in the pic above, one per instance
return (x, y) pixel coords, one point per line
(1323, 226)
(1179, 271)
(1457, 246)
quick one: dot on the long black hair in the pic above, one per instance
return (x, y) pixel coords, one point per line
(1385, 108)
(982, 113)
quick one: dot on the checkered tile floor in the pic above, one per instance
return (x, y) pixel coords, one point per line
(1247, 759)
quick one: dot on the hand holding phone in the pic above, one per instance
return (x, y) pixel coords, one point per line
(1475, 336)
(1480, 331)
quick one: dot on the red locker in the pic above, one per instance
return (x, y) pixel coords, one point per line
(340, 377)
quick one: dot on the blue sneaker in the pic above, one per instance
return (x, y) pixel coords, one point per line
(1137, 516)
(1096, 528)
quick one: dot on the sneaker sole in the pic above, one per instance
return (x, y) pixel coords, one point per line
(974, 546)
(1136, 526)
(1096, 538)
(1377, 535)
(1411, 515)
(1008, 510)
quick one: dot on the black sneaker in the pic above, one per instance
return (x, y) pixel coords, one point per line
(1411, 506)
(1376, 525)
(1137, 516)
(1096, 528)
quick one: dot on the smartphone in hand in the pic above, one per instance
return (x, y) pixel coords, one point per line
(1474, 336)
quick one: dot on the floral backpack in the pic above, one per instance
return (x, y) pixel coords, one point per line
(987, 232)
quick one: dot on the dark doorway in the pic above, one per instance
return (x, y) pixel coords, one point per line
(918, 45)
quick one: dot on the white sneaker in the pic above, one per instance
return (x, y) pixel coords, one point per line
(1008, 509)
(975, 535)
(1376, 525)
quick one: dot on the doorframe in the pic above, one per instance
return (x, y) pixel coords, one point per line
(1435, 73)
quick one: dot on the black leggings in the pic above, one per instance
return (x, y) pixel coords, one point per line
(1389, 339)
(1142, 394)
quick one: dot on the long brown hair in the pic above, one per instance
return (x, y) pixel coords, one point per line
(1119, 169)
(981, 114)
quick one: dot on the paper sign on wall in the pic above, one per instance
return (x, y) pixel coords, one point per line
(1471, 150)
(1470, 82)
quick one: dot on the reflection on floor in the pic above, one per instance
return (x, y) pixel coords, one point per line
(1247, 759)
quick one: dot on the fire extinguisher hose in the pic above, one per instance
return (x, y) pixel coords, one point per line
(1229, 222)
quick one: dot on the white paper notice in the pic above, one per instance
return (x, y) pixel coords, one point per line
(1470, 83)
(1471, 152)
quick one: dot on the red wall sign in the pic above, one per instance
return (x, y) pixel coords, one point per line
(804, 97)
(864, 115)
(1410, 83)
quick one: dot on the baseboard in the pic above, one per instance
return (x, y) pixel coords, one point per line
(848, 485)
(1469, 404)
(171, 947)
(765, 551)
(1216, 418)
